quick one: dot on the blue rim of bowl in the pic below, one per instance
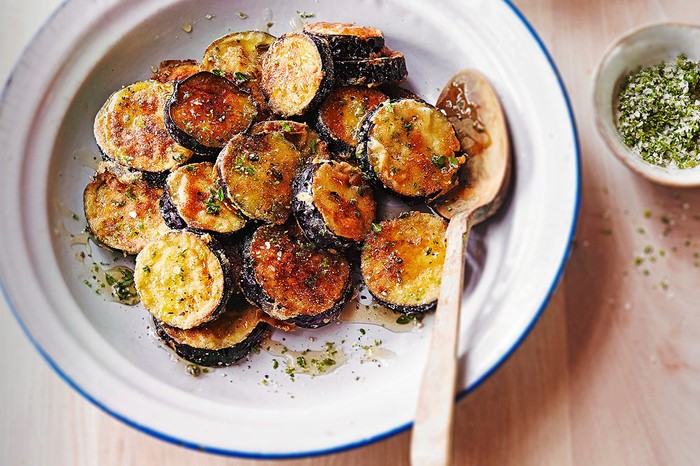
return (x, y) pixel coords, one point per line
(396, 430)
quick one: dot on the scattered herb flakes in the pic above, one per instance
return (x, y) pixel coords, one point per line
(242, 76)
(193, 370)
(438, 160)
(376, 227)
(304, 14)
(659, 113)
(647, 213)
(241, 15)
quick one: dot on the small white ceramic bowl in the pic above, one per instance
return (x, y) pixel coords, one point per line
(642, 47)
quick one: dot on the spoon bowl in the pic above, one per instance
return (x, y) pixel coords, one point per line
(471, 104)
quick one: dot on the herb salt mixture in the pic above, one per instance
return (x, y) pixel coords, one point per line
(659, 113)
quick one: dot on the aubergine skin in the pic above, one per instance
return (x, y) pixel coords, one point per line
(309, 218)
(213, 358)
(404, 309)
(371, 71)
(252, 290)
(366, 167)
(319, 320)
(345, 47)
(354, 47)
(157, 290)
(328, 82)
(321, 92)
(173, 220)
(181, 136)
(169, 213)
(348, 40)
(256, 295)
(229, 287)
(339, 147)
(368, 172)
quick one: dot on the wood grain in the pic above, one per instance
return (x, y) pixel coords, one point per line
(609, 375)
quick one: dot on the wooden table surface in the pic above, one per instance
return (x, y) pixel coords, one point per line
(608, 376)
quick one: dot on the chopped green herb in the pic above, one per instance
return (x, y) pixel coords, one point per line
(285, 126)
(438, 160)
(242, 76)
(404, 319)
(217, 71)
(659, 113)
(305, 15)
(376, 227)
(241, 15)
(130, 195)
(454, 163)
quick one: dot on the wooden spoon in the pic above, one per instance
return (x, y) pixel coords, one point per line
(475, 111)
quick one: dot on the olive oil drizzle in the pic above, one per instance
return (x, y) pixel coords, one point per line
(461, 106)
(375, 314)
(307, 362)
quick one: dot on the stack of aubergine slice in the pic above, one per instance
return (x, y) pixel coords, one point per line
(246, 185)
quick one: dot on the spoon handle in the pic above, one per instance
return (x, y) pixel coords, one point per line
(431, 441)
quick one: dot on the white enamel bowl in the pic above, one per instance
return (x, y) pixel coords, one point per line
(107, 351)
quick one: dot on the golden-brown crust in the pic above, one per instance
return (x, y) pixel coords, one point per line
(123, 215)
(238, 52)
(300, 278)
(210, 109)
(305, 139)
(343, 110)
(170, 71)
(180, 279)
(402, 259)
(194, 191)
(292, 74)
(343, 29)
(130, 128)
(239, 57)
(257, 171)
(412, 148)
(344, 200)
(227, 330)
